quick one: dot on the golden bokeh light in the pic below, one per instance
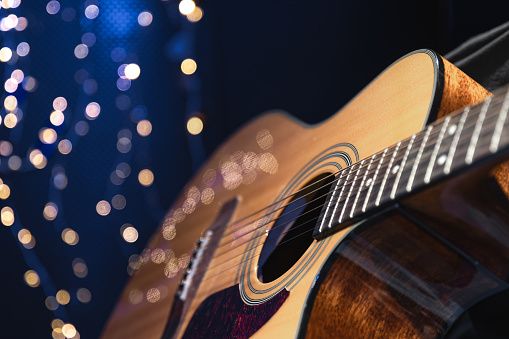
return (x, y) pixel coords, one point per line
(5, 191)
(268, 163)
(146, 177)
(7, 216)
(129, 233)
(37, 159)
(187, 7)
(144, 128)
(65, 146)
(153, 295)
(32, 278)
(157, 256)
(57, 118)
(10, 120)
(69, 331)
(103, 208)
(188, 66)
(70, 237)
(195, 15)
(24, 236)
(132, 71)
(57, 323)
(5, 54)
(57, 334)
(63, 297)
(48, 136)
(195, 125)
(10, 103)
(207, 195)
(50, 211)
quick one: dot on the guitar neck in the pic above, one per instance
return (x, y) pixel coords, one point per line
(443, 148)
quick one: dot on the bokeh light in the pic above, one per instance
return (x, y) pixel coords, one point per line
(50, 211)
(93, 110)
(132, 71)
(32, 278)
(53, 7)
(144, 128)
(103, 208)
(146, 177)
(188, 66)
(145, 18)
(65, 146)
(195, 15)
(186, 7)
(5, 54)
(57, 118)
(70, 237)
(63, 297)
(92, 11)
(195, 125)
(129, 233)
(7, 216)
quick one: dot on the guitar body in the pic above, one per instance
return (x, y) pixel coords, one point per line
(385, 276)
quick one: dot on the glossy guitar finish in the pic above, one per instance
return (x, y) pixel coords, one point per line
(263, 165)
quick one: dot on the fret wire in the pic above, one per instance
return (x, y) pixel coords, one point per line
(416, 162)
(435, 150)
(349, 193)
(377, 202)
(373, 181)
(339, 197)
(362, 185)
(402, 166)
(495, 140)
(477, 130)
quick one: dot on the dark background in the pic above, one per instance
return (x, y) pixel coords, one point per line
(305, 57)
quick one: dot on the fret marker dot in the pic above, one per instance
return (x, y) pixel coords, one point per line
(441, 159)
(395, 169)
(368, 182)
(451, 129)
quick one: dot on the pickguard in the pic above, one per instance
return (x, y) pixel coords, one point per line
(225, 315)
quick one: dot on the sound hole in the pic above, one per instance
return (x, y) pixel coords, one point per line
(291, 234)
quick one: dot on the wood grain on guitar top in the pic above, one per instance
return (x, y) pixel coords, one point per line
(256, 164)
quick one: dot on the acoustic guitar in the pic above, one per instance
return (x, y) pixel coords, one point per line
(384, 221)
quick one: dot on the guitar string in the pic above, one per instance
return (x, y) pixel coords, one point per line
(284, 224)
(347, 184)
(421, 171)
(433, 134)
(202, 269)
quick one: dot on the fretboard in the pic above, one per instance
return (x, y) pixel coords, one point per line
(442, 149)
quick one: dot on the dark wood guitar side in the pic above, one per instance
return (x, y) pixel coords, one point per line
(364, 226)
